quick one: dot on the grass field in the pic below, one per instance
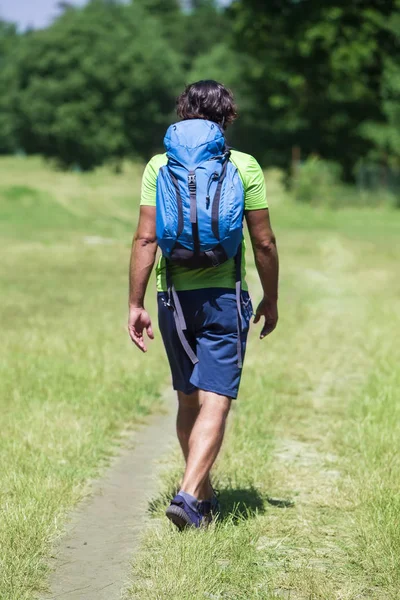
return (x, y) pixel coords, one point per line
(317, 420)
(70, 381)
(317, 423)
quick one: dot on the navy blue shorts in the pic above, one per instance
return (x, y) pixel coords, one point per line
(211, 319)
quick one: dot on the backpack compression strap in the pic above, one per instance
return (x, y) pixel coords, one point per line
(217, 198)
(193, 210)
(238, 286)
(180, 323)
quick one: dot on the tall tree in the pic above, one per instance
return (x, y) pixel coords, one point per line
(92, 87)
(8, 41)
(386, 132)
(316, 74)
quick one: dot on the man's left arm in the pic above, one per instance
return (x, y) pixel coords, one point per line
(266, 259)
(144, 248)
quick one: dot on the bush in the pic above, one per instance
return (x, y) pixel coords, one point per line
(317, 181)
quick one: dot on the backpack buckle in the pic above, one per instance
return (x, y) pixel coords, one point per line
(192, 179)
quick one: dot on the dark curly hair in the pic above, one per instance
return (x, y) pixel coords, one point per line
(207, 99)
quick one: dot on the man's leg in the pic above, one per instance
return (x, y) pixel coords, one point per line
(188, 411)
(205, 441)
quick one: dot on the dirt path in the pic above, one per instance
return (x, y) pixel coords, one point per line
(92, 561)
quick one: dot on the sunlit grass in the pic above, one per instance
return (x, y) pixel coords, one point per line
(70, 380)
(316, 422)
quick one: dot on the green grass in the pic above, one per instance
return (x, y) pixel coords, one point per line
(317, 421)
(70, 380)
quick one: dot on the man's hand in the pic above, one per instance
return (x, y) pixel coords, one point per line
(139, 320)
(269, 310)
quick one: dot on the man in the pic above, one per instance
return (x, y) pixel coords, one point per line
(206, 362)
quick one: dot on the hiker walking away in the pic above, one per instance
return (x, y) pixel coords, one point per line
(194, 198)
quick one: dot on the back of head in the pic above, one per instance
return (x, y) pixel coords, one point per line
(207, 99)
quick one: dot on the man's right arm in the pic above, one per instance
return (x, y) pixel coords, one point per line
(144, 248)
(266, 259)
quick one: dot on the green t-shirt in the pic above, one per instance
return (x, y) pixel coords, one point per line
(224, 275)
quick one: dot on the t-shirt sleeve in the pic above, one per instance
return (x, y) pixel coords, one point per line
(254, 187)
(149, 185)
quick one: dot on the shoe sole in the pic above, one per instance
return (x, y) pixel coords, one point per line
(178, 517)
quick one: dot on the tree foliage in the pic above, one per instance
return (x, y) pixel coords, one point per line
(91, 87)
(385, 134)
(317, 72)
(100, 82)
(8, 38)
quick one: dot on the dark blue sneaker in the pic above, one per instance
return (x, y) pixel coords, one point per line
(182, 515)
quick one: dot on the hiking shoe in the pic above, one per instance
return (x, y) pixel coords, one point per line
(182, 515)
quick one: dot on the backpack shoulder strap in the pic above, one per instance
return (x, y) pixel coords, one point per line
(217, 197)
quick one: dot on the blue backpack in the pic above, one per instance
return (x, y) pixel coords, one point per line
(200, 207)
(200, 197)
